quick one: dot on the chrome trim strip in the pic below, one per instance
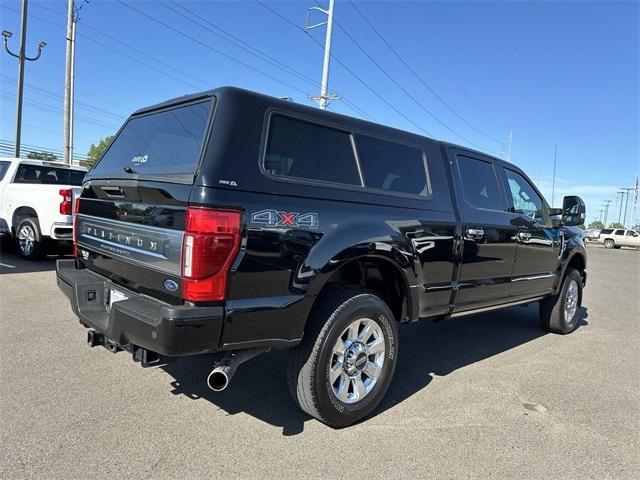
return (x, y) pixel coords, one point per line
(155, 248)
(533, 277)
(495, 307)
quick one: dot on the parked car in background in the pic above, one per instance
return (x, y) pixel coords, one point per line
(619, 237)
(591, 235)
(36, 203)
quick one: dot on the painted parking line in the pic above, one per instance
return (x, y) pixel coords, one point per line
(7, 266)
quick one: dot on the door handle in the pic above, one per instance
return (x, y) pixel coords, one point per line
(524, 236)
(475, 233)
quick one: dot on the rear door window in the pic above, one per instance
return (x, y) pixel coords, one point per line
(48, 175)
(167, 144)
(619, 232)
(392, 166)
(304, 150)
(479, 183)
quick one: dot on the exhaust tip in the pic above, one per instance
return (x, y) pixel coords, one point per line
(217, 380)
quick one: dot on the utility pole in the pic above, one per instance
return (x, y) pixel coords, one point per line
(509, 147)
(626, 190)
(68, 82)
(553, 183)
(324, 98)
(601, 212)
(21, 59)
(620, 212)
(606, 211)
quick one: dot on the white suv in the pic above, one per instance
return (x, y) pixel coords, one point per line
(619, 237)
(36, 202)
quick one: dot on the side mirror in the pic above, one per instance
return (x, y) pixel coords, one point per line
(573, 211)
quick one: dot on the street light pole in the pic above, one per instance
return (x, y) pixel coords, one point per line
(21, 59)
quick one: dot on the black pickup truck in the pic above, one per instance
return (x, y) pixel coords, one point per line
(231, 222)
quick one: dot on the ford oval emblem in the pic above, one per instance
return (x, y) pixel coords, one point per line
(170, 285)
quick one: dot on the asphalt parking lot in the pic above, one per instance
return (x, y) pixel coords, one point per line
(478, 397)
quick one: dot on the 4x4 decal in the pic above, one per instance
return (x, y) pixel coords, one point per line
(277, 218)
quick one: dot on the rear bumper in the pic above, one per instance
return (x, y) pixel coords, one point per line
(139, 321)
(61, 231)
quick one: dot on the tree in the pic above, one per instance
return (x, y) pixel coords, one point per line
(596, 225)
(616, 225)
(48, 156)
(95, 150)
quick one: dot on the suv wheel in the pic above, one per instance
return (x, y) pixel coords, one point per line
(561, 313)
(343, 367)
(608, 243)
(29, 241)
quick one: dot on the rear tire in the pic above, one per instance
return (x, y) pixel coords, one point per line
(561, 313)
(608, 243)
(343, 367)
(29, 241)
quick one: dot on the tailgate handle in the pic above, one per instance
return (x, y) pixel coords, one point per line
(113, 191)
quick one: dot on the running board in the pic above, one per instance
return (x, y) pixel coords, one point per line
(495, 307)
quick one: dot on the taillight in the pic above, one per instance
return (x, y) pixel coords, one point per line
(211, 243)
(65, 204)
(76, 210)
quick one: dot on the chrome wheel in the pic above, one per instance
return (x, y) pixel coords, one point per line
(26, 239)
(356, 360)
(571, 301)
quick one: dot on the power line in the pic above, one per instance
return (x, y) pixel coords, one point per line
(247, 47)
(404, 90)
(418, 77)
(82, 105)
(351, 72)
(423, 40)
(237, 42)
(209, 47)
(137, 50)
(136, 60)
(51, 109)
(289, 69)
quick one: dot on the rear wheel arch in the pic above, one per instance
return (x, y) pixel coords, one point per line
(21, 212)
(377, 275)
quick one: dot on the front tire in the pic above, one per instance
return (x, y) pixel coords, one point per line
(29, 241)
(344, 365)
(561, 313)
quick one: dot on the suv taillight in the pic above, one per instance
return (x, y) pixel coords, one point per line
(76, 210)
(65, 204)
(211, 243)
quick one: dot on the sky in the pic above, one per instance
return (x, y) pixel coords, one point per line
(468, 72)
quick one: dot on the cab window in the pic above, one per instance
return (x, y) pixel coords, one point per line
(524, 198)
(479, 183)
(631, 233)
